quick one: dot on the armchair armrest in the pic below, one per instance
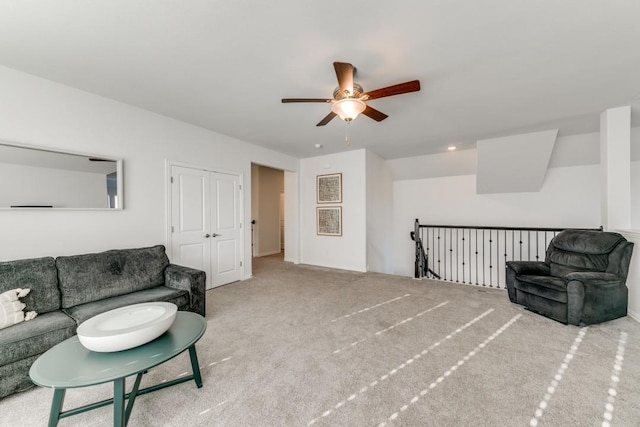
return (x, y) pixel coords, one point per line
(190, 280)
(531, 268)
(594, 278)
(593, 297)
(520, 268)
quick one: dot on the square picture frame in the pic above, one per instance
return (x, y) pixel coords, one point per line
(329, 220)
(329, 188)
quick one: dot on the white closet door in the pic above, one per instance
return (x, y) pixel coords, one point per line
(226, 228)
(206, 228)
(191, 219)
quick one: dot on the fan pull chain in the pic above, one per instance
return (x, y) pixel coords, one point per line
(347, 142)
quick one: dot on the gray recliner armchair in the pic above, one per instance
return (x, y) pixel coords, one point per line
(581, 282)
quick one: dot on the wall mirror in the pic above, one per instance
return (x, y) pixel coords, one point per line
(40, 178)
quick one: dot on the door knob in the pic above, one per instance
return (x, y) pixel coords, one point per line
(215, 235)
(207, 235)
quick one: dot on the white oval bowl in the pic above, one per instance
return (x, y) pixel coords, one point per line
(127, 327)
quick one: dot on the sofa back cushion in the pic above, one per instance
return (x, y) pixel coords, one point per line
(39, 275)
(587, 242)
(92, 277)
(561, 270)
(581, 250)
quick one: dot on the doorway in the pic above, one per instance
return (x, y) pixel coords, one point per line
(205, 222)
(267, 211)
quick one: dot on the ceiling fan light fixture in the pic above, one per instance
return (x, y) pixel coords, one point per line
(349, 98)
(348, 108)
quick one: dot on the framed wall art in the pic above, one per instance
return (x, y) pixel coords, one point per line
(329, 188)
(329, 221)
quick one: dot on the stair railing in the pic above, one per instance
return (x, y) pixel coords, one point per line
(477, 255)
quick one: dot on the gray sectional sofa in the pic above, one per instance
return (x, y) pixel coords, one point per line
(71, 289)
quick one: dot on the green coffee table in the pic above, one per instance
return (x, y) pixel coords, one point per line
(70, 365)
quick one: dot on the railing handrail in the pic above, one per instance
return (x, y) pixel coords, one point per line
(483, 227)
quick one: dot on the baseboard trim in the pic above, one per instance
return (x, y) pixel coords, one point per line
(635, 316)
(267, 253)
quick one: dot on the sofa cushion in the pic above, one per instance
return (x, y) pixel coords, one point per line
(15, 376)
(580, 262)
(94, 277)
(549, 287)
(83, 312)
(35, 336)
(559, 270)
(587, 242)
(39, 275)
(547, 307)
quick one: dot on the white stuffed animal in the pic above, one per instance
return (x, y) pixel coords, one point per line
(14, 294)
(11, 309)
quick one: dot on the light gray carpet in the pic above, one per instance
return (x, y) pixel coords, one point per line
(302, 345)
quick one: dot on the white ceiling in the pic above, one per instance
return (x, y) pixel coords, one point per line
(488, 68)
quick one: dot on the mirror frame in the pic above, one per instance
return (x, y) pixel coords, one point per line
(119, 179)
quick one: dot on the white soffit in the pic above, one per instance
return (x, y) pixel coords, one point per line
(514, 164)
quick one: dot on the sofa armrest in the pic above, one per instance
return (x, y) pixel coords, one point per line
(594, 278)
(190, 280)
(531, 268)
(518, 268)
(594, 297)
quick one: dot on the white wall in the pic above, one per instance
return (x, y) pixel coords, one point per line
(635, 195)
(255, 208)
(576, 150)
(569, 198)
(496, 170)
(379, 214)
(452, 163)
(292, 217)
(30, 185)
(633, 280)
(570, 150)
(349, 250)
(615, 178)
(42, 113)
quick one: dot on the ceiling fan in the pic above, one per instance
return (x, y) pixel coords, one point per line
(349, 99)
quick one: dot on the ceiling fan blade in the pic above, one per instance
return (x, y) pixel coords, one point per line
(412, 86)
(344, 72)
(287, 100)
(376, 115)
(327, 119)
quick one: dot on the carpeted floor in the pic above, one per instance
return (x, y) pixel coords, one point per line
(302, 345)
